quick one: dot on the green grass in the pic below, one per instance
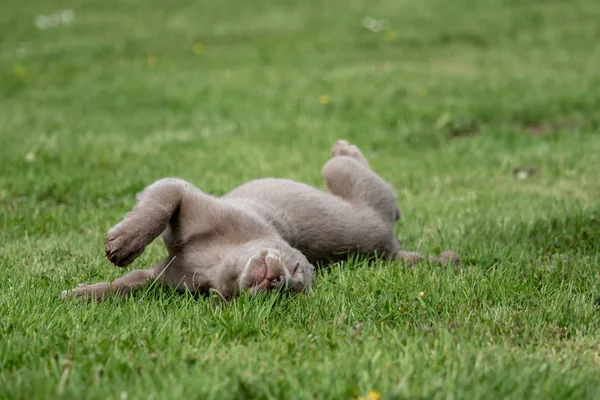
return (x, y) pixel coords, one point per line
(445, 106)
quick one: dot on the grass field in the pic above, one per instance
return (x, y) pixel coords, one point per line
(445, 98)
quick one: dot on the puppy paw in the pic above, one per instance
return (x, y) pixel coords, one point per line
(451, 257)
(344, 148)
(123, 245)
(86, 292)
(409, 258)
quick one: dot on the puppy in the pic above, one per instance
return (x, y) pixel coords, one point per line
(264, 235)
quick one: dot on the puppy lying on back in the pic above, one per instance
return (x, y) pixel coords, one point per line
(264, 235)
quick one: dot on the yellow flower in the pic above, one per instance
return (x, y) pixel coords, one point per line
(151, 61)
(421, 294)
(198, 48)
(20, 71)
(324, 99)
(390, 35)
(372, 395)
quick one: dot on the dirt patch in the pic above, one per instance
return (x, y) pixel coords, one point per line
(460, 129)
(552, 127)
(541, 129)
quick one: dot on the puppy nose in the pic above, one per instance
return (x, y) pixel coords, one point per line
(278, 281)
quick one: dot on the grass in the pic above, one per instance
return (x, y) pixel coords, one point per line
(445, 103)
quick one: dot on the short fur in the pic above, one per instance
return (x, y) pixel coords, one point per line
(264, 235)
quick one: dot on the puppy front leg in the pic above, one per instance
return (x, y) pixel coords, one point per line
(120, 287)
(156, 206)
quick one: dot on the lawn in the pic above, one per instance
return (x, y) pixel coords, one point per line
(484, 116)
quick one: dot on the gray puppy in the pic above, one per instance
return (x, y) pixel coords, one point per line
(264, 235)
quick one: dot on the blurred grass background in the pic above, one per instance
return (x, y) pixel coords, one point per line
(446, 99)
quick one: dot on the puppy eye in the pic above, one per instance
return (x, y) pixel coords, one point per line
(295, 268)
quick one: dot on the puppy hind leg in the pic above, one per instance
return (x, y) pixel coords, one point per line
(353, 181)
(411, 258)
(156, 208)
(344, 148)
